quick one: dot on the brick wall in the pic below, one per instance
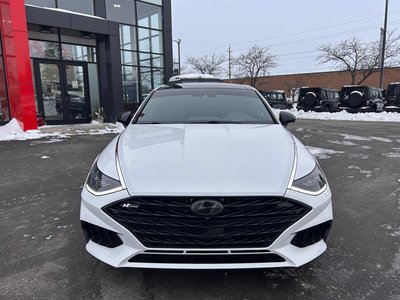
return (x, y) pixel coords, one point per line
(335, 80)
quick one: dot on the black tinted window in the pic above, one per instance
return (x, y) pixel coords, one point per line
(185, 106)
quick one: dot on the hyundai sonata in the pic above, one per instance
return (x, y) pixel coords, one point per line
(206, 177)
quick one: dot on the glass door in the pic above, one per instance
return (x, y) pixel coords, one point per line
(50, 98)
(76, 92)
(62, 92)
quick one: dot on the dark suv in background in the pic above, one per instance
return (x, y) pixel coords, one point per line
(357, 98)
(318, 99)
(392, 97)
(277, 99)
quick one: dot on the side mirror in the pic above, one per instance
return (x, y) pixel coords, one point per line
(286, 118)
(125, 118)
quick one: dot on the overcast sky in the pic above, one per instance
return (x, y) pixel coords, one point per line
(291, 28)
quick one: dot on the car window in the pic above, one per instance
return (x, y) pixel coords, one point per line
(275, 96)
(189, 105)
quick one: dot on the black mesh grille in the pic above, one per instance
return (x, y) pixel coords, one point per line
(100, 235)
(168, 222)
(206, 259)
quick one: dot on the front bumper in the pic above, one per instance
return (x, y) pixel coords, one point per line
(120, 256)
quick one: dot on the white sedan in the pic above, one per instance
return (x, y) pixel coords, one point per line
(205, 177)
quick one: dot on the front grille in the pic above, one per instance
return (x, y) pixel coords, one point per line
(206, 259)
(168, 222)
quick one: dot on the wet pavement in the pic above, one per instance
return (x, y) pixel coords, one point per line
(42, 253)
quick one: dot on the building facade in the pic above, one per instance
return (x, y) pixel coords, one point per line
(335, 80)
(70, 61)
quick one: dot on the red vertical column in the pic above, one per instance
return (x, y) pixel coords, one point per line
(14, 34)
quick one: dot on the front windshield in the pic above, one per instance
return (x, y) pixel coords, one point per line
(191, 105)
(274, 96)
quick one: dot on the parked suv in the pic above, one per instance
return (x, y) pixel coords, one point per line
(277, 99)
(357, 98)
(318, 99)
(392, 97)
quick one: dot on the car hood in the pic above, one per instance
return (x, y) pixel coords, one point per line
(206, 159)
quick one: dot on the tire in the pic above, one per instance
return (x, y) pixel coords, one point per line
(355, 99)
(310, 99)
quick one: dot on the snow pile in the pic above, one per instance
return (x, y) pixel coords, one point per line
(12, 131)
(322, 153)
(11, 127)
(344, 116)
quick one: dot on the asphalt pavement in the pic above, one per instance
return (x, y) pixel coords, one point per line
(42, 248)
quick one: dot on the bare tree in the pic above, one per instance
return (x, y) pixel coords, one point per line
(359, 58)
(256, 61)
(207, 64)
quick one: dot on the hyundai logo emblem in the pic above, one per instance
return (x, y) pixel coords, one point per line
(207, 207)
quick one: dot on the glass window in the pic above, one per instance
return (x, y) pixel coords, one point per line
(158, 78)
(44, 49)
(144, 40)
(127, 36)
(130, 84)
(145, 59)
(149, 15)
(185, 106)
(128, 58)
(158, 2)
(145, 80)
(78, 52)
(150, 60)
(122, 11)
(150, 40)
(156, 41)
(44, 3)
(81, 6)
(157, 61)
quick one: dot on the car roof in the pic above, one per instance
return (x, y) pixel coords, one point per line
(318, 87)
(208, 85)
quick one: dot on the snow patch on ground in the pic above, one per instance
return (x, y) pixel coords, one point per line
(354, 137)
(380, 139)
(359, 155)
(11, 127)
(345, 116)
(394, 230)
(392, 154)
(367, 173)
(345, 143)
(365, 147)
(322, 153)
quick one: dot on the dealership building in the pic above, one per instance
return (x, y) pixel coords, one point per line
(70, 61)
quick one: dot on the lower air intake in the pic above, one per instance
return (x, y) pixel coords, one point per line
(101, 236)
(312, 235)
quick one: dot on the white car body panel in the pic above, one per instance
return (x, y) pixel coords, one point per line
(119, 257)
(206, 159)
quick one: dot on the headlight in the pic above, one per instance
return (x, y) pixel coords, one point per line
(99, 184)
(313, 184)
